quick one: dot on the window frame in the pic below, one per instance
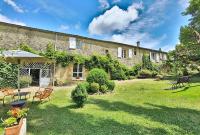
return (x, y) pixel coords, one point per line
(77, 72)
(124, 53)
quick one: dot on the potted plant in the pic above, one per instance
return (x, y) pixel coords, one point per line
(14, 121)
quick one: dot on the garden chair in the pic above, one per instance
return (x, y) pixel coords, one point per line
(180, 82)
(6, 92)
(41, 95)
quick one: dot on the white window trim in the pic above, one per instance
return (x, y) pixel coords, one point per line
(119, 52)
(72, 43)
(130, 53)
(124, 53)
(77, 72)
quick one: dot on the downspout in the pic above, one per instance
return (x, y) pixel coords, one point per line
(54, 63)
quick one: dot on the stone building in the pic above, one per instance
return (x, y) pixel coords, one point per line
(11, 36)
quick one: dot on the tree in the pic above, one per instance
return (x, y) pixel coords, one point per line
(189, 50)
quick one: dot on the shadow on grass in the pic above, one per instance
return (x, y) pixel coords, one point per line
(186, 119)
(51, 119)
(186, 88)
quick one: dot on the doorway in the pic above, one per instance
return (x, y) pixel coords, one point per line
(35, 74)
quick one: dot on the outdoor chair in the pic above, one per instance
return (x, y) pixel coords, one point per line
(41, 95)
(180, 82)
(6, 92)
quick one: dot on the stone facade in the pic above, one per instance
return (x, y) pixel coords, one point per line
(11, 36)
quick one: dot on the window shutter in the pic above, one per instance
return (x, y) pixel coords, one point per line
(157, 57)
(150, 56)
(72, 43)
(130, 53)
(119, 52)
(165, 57)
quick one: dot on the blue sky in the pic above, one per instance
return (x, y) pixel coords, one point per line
(156, 23)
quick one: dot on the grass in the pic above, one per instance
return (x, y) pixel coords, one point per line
(137, 107)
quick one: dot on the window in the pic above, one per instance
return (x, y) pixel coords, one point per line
(123, 53)
(153, 56)
(106, 52)
(72, 43)
(79, 44)
(135, 52)
(78, 71)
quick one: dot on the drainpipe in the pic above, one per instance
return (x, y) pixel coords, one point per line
(54, 64)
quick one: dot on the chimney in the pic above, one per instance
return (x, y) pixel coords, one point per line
(138, 43)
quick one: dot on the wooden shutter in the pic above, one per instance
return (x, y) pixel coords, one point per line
(130, 53)
(119, 52)
(157, 57)
(72, 43)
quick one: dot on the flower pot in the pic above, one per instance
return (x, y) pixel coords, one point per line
(14, 130)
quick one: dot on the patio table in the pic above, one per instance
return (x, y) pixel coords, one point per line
(22, 94)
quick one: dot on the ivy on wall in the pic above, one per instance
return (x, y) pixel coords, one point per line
(8, 75)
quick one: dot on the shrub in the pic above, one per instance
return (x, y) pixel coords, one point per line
(79, 95)
(144, 73)
(98, 76)
(94, 88)
(86, 85)
(118, 75)
(134, 71)
(103, 88)
(25, 81)
(8, 75)
(154, 74)
(111, 85)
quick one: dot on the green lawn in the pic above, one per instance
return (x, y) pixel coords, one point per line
(136, 107)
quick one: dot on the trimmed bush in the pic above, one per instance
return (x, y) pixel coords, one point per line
(118, 75)
(111, 85)
(98, 76)
(79, 95)
(144, 73)
(94, 88)
(86, 85)
(103, 88)
(25, 81)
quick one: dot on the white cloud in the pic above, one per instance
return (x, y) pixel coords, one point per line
(104, 4)
(116, 1)
(168, 48)
(145, 39)
(64, 27)
(112, 20)
(127, 26)
(8, 20)
(14, 6)
(183, 3)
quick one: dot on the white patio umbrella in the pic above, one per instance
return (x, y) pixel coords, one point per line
(19, 57)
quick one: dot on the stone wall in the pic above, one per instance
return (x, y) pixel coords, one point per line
(11, 36)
